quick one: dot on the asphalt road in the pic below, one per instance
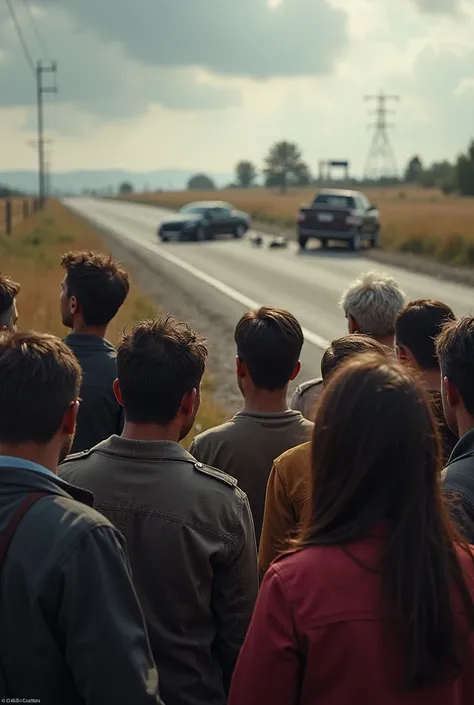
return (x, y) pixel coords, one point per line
(230, 276)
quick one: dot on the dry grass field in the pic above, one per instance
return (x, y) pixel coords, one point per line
(32, 257)
(422, 221)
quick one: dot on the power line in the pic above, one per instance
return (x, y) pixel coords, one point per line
(23, 43)
(36, 32)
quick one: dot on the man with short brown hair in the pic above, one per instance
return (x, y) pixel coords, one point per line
(269, 343)
(9, 290)
(188, 527)
(288, 491)
(93, 290)
(72, 629)
(416, 329)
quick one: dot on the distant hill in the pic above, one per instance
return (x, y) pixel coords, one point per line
(79, 181)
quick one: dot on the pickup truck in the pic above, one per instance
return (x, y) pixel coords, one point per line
(339, 215)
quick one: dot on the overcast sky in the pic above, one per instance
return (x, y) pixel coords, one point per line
(200, 84)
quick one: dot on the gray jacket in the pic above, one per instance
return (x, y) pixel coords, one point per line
(71, 629)
(191, 544)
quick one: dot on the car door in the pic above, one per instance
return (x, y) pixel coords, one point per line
(222, 221)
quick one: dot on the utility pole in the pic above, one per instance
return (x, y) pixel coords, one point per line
(41, 89)
(381, 160)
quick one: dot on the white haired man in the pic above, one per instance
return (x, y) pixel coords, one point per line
(371, 304)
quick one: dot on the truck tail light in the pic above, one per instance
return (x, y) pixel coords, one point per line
(353, 220)
(300, 217)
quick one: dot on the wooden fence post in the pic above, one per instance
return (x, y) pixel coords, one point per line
(26, 208)
(8, 217)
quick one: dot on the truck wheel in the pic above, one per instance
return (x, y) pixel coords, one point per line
(355, 243)
(302, 241)
(324, 242)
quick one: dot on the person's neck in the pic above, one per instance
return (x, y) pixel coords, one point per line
(431, 380)
(150, 432)
(465, 423)
(47, 456)
(83, 329)
(388, 341)
(261, 401)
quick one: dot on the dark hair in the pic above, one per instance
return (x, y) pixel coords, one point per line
(417, 327)
(157, 364)
(342, 349)
(98, 282)
(9, 290)
(39, 378)
(455, 350)
(376, 466)
(269, 343)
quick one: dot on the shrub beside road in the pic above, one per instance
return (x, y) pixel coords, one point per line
(31, 256)
(415, 220)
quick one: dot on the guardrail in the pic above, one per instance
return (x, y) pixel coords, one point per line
(14, 210)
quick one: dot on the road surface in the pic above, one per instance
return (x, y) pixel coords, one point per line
(230, 276)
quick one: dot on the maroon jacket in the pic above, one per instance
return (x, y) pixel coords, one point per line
(318, 637)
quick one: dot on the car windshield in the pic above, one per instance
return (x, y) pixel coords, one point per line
(194, 209)
(334, 201)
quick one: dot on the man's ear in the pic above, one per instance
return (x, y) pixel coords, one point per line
(296, 371)
(73, 305)
(70, 418)
(188, 402)
(353, 325)
(453, 396)
(241, 367)
(402, 353)
(118, 392)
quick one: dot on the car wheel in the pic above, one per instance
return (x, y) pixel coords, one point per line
(302, 241)
(355, 243)
(200, 234)
(239, 231)
(375, 238)
(164, 238)
(324, 242)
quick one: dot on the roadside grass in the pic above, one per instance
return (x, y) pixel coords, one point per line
(32, 257)
(415, 220)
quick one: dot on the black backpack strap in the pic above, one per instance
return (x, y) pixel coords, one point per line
(7, 535)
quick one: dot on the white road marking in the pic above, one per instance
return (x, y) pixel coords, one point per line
(228, 291)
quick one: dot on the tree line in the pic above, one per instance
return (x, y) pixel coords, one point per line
(451, 178)
(284, 167)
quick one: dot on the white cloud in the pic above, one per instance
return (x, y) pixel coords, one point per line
(126, 105)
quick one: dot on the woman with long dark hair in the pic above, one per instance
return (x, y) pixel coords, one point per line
(375, 604)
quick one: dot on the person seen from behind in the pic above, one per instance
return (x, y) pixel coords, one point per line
(371, 304)
(94, 288)
(269, 343)
(416, 329)
(188, 527)
(455, 350)
(72, 628)
(289, 485)
(375, 604)
(9, 290)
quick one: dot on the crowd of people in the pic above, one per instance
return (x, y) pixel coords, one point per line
(311, 553)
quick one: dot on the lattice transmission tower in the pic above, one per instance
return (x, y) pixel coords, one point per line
(381, 162)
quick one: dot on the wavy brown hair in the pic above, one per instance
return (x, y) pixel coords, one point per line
(376, 463)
